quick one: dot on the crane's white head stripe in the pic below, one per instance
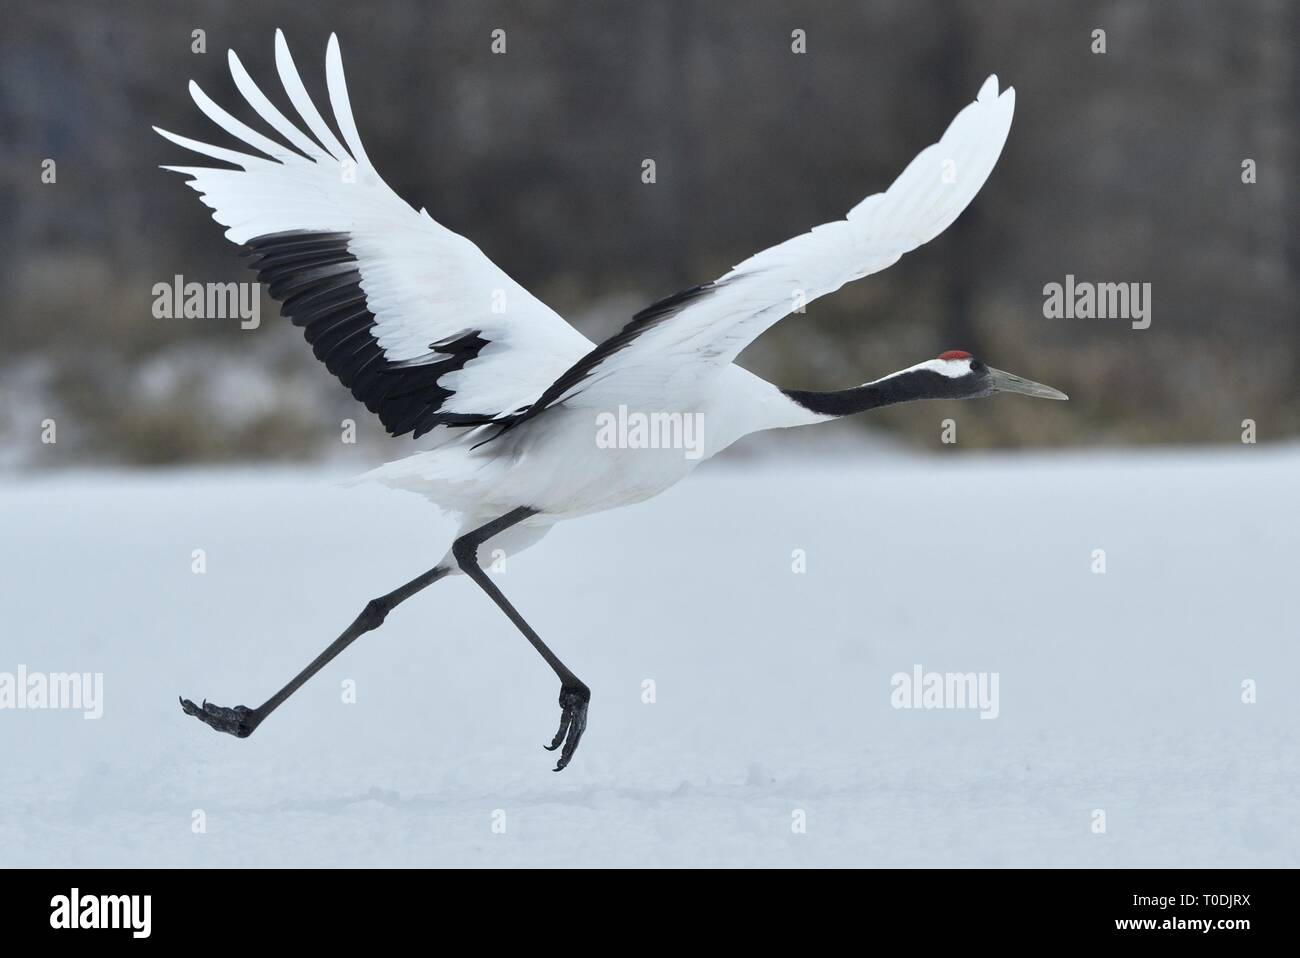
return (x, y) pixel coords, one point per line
(952, 368)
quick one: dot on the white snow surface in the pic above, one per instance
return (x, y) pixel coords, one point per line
(1120, 692)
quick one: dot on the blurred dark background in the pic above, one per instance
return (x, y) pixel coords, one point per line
(1121, 167)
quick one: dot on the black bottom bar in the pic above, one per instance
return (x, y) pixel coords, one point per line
(227, 908)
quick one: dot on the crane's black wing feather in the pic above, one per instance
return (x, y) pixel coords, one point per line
(317, 281)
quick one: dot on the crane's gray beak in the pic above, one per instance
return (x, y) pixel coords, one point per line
(1008, 383)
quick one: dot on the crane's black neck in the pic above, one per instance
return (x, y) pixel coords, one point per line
(907, 386)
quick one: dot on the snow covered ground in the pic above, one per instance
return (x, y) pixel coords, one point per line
(1119, 692)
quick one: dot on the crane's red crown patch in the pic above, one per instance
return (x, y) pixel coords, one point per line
(955, 354)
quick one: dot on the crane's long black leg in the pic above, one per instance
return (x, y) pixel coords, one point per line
(574, 694)
(241, 721)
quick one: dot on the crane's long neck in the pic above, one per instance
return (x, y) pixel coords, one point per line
(908, 385)
(748, 404)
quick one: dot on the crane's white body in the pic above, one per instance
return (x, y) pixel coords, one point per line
(555, 464)
(426, 285)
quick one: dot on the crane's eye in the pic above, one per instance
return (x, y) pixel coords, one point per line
(976, 366)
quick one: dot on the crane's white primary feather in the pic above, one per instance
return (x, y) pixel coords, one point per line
(423, 284)
(675, 351)
(339, 102)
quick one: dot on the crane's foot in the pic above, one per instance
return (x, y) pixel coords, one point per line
(573, 722)
(239, 721)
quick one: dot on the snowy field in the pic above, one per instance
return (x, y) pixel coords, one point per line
(1119, 692)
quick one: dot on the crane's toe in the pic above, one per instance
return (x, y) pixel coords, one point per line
(573, 722)
(239, 721)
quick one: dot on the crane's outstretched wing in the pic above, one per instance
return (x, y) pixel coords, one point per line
(413, 318)
(669, 347)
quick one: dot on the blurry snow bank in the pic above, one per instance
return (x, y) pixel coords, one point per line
(1118, 692)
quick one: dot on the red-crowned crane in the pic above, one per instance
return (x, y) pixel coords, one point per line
(431, 335)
